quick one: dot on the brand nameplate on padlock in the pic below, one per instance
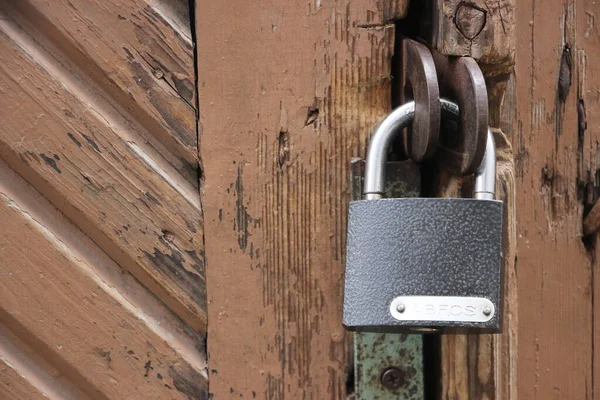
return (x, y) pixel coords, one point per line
(442, 308)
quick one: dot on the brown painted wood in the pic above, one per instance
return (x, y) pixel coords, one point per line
(584, 94)
(141, 56)
(289, 92)
(28, 374)
(53, 299)
(14, 386)
(81, 153)
(588, 107)
(595, 292)
(555, 157)
(555, 139)
(102, 287)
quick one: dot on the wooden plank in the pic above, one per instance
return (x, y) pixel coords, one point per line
(138, 54)
(25, 375)
(280, 122)
(482, 29)
(585, 88)
(584, 92)
(14, 386)
(94, 167)
(102, 336)
(556, 157)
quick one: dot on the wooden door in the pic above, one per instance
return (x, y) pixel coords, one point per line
(131, 127)
(102, 284)
(289, 92)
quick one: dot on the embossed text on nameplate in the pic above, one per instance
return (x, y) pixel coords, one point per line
(442, 308)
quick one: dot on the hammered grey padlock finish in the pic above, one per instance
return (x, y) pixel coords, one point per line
(424, 263)
(422, 247)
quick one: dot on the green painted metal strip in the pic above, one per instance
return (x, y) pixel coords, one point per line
(398, 356)
(401, 356)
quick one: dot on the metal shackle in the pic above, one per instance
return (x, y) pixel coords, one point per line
(388, 130)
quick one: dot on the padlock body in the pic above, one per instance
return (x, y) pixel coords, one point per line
(439, 259)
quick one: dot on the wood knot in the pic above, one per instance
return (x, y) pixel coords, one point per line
(470, 20)
(158, 73)
(168, 236)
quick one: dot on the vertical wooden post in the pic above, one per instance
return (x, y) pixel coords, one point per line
(289, 92)
(484, 366)
(555, 136)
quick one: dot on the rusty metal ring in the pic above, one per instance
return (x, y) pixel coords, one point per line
(419, 77)
(462, 81)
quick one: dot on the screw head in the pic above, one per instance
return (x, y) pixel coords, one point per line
(392, 378)
(487, 311)
(400, 308)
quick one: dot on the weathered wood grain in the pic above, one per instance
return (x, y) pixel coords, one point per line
(555, 140)
(482, 29)
(141, 57)
(585, 93)
(53, 299)
(279, 125)
(595, 292)
(97, 170)
(28, 375)
(14, 386)
(591, 222)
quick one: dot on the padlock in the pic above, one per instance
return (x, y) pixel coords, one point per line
(423, 264)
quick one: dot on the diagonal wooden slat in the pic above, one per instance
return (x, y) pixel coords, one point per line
(89, 324)
(138, 53)
(62, 138)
